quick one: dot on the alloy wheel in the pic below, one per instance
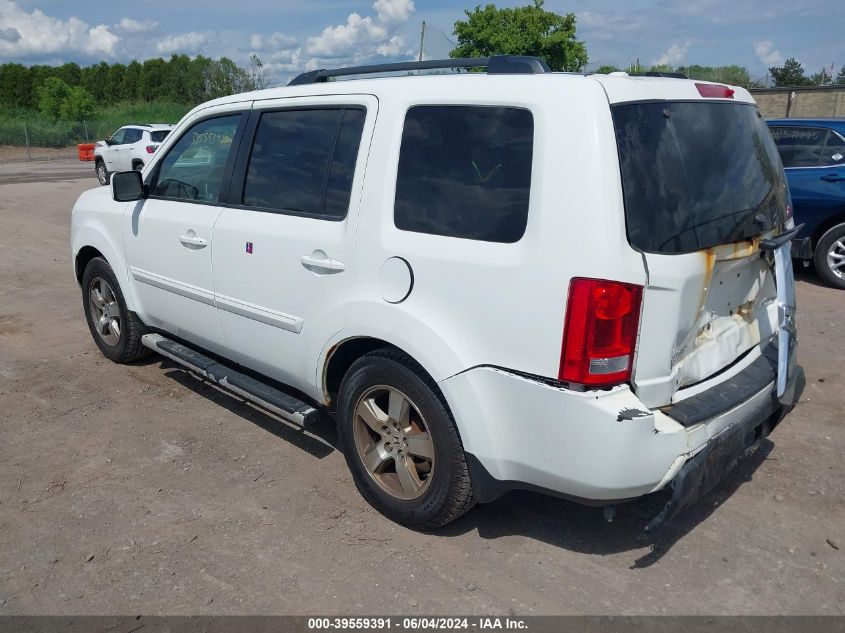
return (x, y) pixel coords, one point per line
(105, 312)
(836, 258)
(393, 442)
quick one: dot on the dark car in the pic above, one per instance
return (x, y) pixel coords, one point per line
(813, 155)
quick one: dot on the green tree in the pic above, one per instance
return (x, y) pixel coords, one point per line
(78, 104)
(790, 74)
(528, 30)
(131, 80)
(152, 84)
(15, 86)
(51, 96)
(606, 69)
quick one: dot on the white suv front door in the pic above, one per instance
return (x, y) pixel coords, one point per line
(283, 248)
(168, 234)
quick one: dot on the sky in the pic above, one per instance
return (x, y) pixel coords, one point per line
(291, 36)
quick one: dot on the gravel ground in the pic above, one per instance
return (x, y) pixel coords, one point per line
(140, 489)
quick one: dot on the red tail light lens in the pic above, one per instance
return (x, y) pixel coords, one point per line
(151, 149)
(600, 333)
(715, 91)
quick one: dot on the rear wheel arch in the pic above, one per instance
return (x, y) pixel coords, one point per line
(343, 355)
(826, 225)
(137, 164)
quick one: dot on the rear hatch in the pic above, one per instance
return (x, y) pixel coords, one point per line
(702, 185)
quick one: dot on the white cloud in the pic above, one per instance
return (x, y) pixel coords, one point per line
(26, 34)
(394, 11)
(183, 43)
(364, 37)
(128, 25)
(674, 56)
(346, 39)
(767, 53)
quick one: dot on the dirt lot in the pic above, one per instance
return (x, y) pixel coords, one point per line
(139, 489)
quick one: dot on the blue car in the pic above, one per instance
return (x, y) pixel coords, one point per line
(813, 156)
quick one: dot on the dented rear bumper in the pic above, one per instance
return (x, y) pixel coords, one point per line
(704, 470)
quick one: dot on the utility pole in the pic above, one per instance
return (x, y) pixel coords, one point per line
(422, 40)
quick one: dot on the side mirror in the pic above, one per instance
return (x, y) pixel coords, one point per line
(127, 186)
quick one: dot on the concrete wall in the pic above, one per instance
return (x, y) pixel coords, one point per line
(816, 101)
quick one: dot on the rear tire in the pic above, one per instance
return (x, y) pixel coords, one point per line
(115, 329)
(829, 257)
(405, 455)
(103, 175)
(137, 165)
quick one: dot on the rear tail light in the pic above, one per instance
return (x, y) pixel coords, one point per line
(715, 91)
(600, 333)
(151, 149)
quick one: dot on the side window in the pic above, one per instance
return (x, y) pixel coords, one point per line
(304, 161)
(799, 146)
(132, 135)
(465, 171)
(834, 151)
(193, 168)
(117, 137)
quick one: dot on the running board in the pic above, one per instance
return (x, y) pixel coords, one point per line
(285, 405)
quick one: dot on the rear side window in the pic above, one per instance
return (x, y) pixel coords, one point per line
(159, 135)
(834, 151)
(132, 135)
(697, 174)
(465, 171)
(303, 161)
(800, 146)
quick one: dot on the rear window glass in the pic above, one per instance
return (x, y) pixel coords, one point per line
(465, 171)
(697, 174)
(159, 136)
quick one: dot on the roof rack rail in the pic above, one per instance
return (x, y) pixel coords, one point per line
(654, 73)
(495, 65)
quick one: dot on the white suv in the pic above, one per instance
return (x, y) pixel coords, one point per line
(511, 279)
(131, 147)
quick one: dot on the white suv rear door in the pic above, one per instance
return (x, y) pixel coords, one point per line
(283, 247)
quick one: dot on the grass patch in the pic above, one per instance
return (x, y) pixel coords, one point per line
(16, 123)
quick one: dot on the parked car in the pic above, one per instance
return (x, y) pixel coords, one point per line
(511, 279)
(813, 155)
(131, 147)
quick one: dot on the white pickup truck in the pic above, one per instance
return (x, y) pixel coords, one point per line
(131, 147)
(578, 284)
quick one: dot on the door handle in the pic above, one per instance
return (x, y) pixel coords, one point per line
(832, 178)
(192, 240)
(322, 266)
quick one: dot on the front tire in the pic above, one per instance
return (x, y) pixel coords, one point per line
(116, 330)
(103, 175)
(401, 443)
(829, 257)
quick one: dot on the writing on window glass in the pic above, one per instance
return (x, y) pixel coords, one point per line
(797, 134)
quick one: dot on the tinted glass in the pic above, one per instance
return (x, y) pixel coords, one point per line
(193, 168)
(465, 171)
(132, 135)
(696, 174)
(117, 137)
(159, 136)
(303, 161)
(834, 151)
(799, 146)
